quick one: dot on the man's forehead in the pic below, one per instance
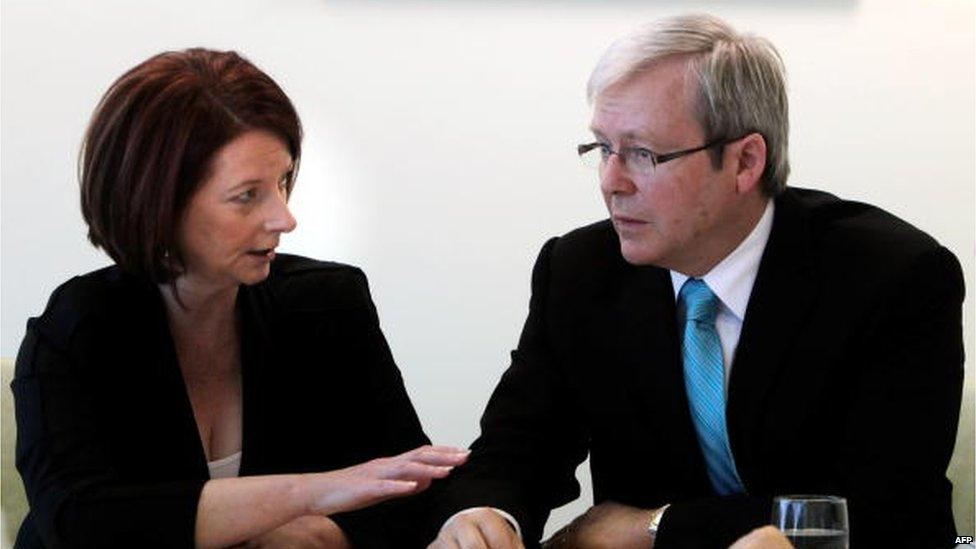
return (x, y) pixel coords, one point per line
(646, 105)
(644, 118)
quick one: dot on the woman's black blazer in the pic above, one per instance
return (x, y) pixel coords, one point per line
(107, 444)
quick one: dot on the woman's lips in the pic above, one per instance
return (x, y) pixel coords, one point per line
(267, 254)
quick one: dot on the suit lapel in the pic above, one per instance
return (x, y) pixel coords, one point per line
(781, 298)
(646, 345)
(648, 348)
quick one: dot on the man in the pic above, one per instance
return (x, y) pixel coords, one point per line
(721, 339)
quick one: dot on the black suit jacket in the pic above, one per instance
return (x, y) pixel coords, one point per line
(847, 380)
(107, 444)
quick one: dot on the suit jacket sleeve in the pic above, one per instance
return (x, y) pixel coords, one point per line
(532, 437)
(77, 499)
(899, 435)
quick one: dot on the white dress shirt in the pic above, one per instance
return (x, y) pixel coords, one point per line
(731, 281)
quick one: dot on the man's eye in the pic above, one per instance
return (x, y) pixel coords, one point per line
(643, 155)
(605, 150)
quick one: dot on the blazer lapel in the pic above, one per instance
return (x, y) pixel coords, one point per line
(781, 298)
(256, 352)
(188, 448)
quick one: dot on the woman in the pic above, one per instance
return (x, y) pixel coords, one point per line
(194, 392)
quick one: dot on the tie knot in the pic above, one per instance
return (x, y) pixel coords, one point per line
(701, 304)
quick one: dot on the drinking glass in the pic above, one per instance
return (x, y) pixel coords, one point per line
(812, 522)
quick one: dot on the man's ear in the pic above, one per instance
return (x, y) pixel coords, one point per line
(749, 159)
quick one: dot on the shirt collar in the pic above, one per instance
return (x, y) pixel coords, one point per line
(731, 280)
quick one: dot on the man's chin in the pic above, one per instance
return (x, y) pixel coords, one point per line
(638, 255)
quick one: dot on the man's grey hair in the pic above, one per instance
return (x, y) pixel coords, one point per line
(741, 82)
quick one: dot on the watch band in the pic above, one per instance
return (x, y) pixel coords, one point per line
(655, 523)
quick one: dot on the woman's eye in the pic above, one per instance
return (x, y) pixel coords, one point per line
(245, 196)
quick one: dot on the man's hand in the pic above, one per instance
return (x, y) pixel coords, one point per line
(306, 532)
(767, 537)
(480, 529)
(606, 525)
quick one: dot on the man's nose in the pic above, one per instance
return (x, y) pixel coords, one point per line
(614, 176)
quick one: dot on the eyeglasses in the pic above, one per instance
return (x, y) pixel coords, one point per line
(639, 161)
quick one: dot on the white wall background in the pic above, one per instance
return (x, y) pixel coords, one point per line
(440, 147)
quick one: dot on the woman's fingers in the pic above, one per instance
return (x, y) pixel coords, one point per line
(384, 478)
(412, 470)
(426, 462)
(438, 448)
(436, 455)
(385, 488)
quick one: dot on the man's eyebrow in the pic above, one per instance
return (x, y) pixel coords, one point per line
(628, 136)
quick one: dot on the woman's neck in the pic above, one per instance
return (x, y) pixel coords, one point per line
(199, 301)
(203, 321)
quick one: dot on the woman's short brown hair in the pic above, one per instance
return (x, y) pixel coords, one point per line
(151, 141)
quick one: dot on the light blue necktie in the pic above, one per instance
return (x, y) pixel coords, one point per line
(701, 350)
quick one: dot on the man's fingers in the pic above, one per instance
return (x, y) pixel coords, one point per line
(444, 541)
(767, 537)
(498, 533)
(468, 535)
(480, 529)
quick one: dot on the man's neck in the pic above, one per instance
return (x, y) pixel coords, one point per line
(727, 240)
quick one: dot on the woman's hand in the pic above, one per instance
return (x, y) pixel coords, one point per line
(378, 480)
(306, 532)
(233, 510)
